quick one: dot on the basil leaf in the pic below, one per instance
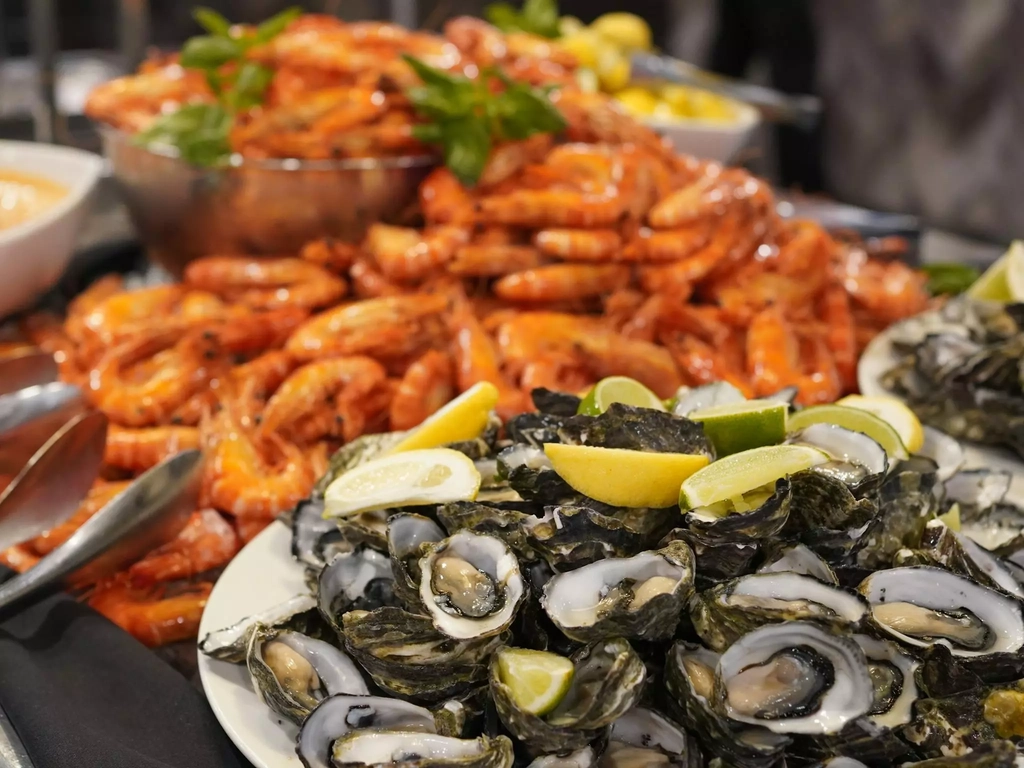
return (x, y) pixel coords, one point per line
(428, 133)
(208, 52)
(466, 143)
(541, 17)
(432, 76)
(275, 25)
(198, 131)
(250, 84)
(212, 21)
(504, 17)
(946, 278)
(524, 111)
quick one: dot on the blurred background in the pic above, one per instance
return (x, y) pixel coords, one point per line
(922, 104)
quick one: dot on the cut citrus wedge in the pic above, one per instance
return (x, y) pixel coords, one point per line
(429, 476)
(894, 412)
(951, 519)
(1015, 270)
(537, 680)
(623, 478)
(741, 473)
(618, 389)
(994, 283)
(881, 431)
(464, 418)
(736, 427)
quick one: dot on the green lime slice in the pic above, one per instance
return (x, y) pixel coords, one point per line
(537, 680)
(994, 283)
(412, 478)
(879, 430)
(618, 389)
(735, 427)
(744, 472)
(1015, 270)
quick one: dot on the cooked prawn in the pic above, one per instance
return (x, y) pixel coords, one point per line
(139, 449)
(267, 283)
(206, 542)
(562, 282)
(426, 386)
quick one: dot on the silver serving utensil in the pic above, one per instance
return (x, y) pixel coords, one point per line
(26, 370)
(30, 416)
(54, 481)
(150, 511)
(774, 105)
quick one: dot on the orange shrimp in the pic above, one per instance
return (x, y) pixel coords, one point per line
(891, 290)
(95, 294)
(475, 260)
(258, 332)
(698, 200)
(408, 254)
(364, 327)
(250, 481)
(561, 282)
(99, 495)
(821, 382)
(18, 558)
(621, 305)
(369, 283)
(555, 208)
(508, 158)
(265, 373)
(579, 244)
(139, 449)
(703, 364)
(612, 354)
(559, 371)
(772, 352)
(476, 359)
(264, 283)
(251, 527)
(342, 378)
(206, 542)
(654, 245)
(426, 386)
(840, 335)
(444, 200)
(152, 615)
(330, 253)
(125, 312)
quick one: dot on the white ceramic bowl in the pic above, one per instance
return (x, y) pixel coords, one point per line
(708, 139)
(34, 254)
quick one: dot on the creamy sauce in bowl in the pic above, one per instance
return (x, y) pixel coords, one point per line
(24, 196)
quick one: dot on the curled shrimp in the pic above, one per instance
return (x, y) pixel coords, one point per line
(265, 373)
(405, 254)
(267, 283)
(579, 244)
(444, 200)
(152, 615)
(476, 260)
(426, 386)
(773, 352)
(139, 449)
(562, 282)
(840, 335)
(330, 253)
(554, 208)
(206, 542)
(558, 371)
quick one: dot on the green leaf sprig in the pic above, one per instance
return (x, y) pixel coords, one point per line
(539, 17)
(951, 279)
(465, 117)
(200, 131)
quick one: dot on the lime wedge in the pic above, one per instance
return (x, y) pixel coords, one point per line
(952, 518)
(994, 283)
(896, 413)
(736, 427)
(741, 473)
(537, 680)
(464, 418)
(879, 430)
(618, 389)
(623, 478)
(1015, 270)
(429, 476)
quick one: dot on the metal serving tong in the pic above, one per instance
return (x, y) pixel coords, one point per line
(776, 106)
(29, 417)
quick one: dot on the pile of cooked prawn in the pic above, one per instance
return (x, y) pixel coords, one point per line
(595, 253)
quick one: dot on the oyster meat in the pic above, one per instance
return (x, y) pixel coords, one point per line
(231, 643)
(402, 749)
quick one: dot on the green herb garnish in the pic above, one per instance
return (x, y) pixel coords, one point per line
(466, 117)
(949, 278)
(200, 131)
(539, 17)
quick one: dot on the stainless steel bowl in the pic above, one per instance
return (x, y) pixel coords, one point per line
(183, 212)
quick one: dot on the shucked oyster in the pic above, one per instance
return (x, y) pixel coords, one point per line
(360, 580)
(401, 749)
(857, 460)
(635, 597)
(725, 612)
(409, 535)
(763, 515)
(892, 675)
(922, 605)
(642, 738)
(292, 673)
(793, 678)
(607, 682)
(471, 585)
(960, 554)
(298, 613)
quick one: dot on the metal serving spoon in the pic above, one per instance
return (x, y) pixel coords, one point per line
(150, 511)
(30, 416)
(26, 370)
(54, 481)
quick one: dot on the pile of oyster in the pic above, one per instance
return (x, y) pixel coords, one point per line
(839, 622)
(960, 370)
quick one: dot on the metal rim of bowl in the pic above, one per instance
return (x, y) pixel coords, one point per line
(282, 164)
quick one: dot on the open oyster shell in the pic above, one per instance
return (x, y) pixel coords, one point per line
(638, 429)
(504, 520)
(409, 536)
(767, 519)
(313, 537)
(371, 749)
(581, 758)
(407, 656)
(471, 585)
(729, 610)
(298, 613)
(857, 461)
(339, 715)
(799, 559)
(359, 580)
(608, 680)
(955, 725)
(642, 737)
(715, 559)
(961, 554)
(638, 597)
(793, 678)
(292, 673)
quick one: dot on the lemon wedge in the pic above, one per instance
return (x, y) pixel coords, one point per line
(895, 413)
(411, 478)
(618, 389)
(464, 418)
(623, 478)
(995, 282)
(537, 680)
